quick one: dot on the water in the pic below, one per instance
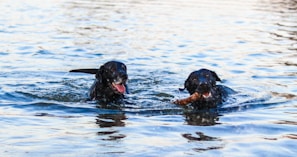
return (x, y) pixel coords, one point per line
(250, 44)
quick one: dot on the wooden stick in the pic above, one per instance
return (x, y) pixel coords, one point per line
(194, 97)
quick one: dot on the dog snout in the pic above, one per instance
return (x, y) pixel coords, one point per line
(203, 83)
(123, 75)
(121, 78)
(203, 87)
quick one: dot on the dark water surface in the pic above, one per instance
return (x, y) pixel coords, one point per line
(252, 46)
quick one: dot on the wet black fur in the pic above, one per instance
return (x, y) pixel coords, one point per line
(203, 81)
(102, 87)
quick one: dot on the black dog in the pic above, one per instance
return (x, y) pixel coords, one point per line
(110, 83)
(203, 82)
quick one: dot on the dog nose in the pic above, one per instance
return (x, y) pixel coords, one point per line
(203, 85)
(123, 75)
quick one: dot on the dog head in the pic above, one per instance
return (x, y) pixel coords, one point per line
(113, 74)
(202, 81)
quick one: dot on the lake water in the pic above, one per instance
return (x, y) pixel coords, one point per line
(250, 44)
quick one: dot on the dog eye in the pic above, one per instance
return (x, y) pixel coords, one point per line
(112, 69)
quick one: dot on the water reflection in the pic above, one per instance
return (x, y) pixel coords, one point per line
(108, 124)
(291, 136)
(201, 118)
(111, 120)
(201, 137)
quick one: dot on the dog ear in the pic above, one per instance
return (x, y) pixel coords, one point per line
(187, 84)
(215, 76)
(99, 74)
(127, 89)
(181, 89)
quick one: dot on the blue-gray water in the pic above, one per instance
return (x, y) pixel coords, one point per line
(252, 46)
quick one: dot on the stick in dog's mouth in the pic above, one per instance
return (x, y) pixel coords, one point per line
(194, 97)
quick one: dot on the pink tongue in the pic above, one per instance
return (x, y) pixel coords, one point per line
(120, 88)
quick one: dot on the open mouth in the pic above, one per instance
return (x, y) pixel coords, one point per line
(206, 95)
(204, 90)
(120, 87)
